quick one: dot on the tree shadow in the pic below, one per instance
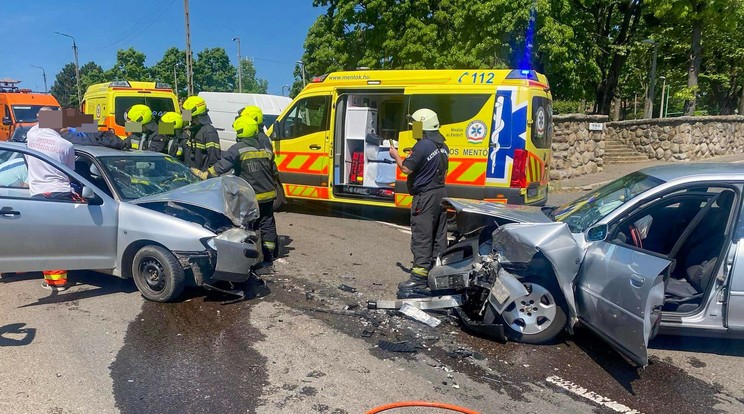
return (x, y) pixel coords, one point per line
(8, 332)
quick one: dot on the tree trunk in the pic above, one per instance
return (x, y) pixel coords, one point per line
(696, 50)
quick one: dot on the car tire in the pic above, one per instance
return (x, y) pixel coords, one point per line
(280, 201)
(157, 274)
(451, 223)
(539, 317)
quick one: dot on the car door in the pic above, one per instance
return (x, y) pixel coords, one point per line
(619, 295)
(41, 234)
(301, 144)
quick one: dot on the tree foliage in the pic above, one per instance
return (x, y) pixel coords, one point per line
(130, 65)
(173, 59)
(64, 87)
(213, 71)
(251, 83)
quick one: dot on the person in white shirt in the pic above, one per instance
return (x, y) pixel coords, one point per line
(44, 180)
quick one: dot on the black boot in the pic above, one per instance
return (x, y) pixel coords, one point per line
(415, 287)
(414, 282)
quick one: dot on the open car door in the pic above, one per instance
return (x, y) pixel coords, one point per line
(619, 295)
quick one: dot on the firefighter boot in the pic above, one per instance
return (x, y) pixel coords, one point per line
(415, 286)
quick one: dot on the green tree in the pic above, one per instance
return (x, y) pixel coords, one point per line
(65, 83)
(173, 59)
(213, 71)
(130, 65)
(251, 83)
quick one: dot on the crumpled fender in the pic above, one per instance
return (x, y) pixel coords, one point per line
(519, 242)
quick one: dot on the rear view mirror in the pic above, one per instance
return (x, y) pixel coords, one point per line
(275, 131)
(91, 197)
(597, 233)
(6, 120)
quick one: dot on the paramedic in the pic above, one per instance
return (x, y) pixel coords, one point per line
(426, 167)
(201, 149)
(255, 164)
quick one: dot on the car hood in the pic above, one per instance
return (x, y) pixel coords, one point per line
(228, 195)
(473, 215)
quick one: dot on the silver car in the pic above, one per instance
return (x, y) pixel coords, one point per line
(142, 215)
(655, 251)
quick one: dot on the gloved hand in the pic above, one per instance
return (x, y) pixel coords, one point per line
(199, 173)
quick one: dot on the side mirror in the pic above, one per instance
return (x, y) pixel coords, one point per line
(275, 131)
(91, 197)
(597, 233)
(6, 120)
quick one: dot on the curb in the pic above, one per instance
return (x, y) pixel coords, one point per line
(589, 187)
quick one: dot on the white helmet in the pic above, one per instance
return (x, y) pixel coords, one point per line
(428, 118)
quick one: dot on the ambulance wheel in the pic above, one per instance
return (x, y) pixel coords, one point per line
(157, 274)
(537, 318)
(280, 201)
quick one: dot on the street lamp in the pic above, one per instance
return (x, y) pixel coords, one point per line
(302, 66)
(652, 80)
(240, 67)
(77, 67)
(285, 87)
(663, 88)
(44, 74)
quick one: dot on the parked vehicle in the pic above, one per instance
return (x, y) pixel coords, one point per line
(658, 250)
(497, 123)
(108, 102)
(224, 106)
(19, 107)
(145, 216)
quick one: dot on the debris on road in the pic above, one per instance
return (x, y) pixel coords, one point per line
(347, 288)
(419, 315)
(397, 346)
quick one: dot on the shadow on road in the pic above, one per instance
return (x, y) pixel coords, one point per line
(14, 334)
(718, 346)
(607, 358)
(96, 284)
(387, 214)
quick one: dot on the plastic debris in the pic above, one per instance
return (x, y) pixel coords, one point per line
(396, 346)
(419, 315)
(347, 288)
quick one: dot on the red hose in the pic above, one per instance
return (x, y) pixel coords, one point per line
(404, 404)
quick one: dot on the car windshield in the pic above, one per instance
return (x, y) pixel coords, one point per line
(140, 176)
(28, 113)
(159, 106)
(592, 207)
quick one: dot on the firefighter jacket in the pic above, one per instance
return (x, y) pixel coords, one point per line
(201, 149)
(252, 162)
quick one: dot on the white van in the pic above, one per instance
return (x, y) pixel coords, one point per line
(223, 108)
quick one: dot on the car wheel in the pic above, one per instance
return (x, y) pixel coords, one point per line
(537, 318)
(157, 274)
(280, 199)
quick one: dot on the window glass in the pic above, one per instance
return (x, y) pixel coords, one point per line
(308, 116)
(13, 170)
(28, 113)
(450, 108)
(159, 106)
(140, 176)
(542, 123)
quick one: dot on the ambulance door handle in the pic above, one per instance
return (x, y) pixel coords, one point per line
(315, 147)
(407, 150)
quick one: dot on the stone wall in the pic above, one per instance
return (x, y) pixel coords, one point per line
(681, 139)
(576, 149)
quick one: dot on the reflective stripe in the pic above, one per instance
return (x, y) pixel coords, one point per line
(55, 277)
(212, 171)
(212, 145)
(135, 180)
(255, 155)
(420, 271)
(197, 145)
(269, 245)
(265, 196)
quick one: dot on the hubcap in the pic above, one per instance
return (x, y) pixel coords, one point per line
(153, 273)
(533, 313)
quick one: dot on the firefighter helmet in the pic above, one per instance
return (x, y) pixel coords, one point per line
(253, 112)
(172, 118)
(245, 127)
(428, 118)
(196, 105)
(140, 113)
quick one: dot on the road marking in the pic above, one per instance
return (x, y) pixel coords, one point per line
(737, 162)
(589, 395)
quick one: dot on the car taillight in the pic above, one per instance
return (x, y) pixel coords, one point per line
(519, 174)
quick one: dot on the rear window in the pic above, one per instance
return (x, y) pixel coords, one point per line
(159, 106)
(542, 123)
(450, 108)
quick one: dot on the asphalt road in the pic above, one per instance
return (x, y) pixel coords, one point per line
(293, 348)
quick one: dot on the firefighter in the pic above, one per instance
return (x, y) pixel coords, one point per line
(201, 148)
(255, 164)
(168, 142)
(256, 113)
(426, 167)
(141, 114)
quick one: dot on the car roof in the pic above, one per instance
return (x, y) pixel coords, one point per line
(101, 151)
(680, 171)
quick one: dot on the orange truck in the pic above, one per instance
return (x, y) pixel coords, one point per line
(19, 107)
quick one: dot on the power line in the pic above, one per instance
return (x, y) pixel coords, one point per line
(140, 26)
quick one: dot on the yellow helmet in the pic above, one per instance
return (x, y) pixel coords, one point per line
(140, 113)
(245, 127)
(172, 118)
(253, 112)
(196, 105)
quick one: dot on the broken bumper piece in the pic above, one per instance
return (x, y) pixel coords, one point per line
(490, 330)
(238, 252)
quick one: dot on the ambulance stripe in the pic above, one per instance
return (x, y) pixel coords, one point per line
(297, 162)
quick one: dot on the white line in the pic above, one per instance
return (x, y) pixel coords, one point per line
(589, 395)
(737, 162)
(397, 226)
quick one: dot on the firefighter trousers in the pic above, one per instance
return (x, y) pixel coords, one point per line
(267, 225)
(428, 229)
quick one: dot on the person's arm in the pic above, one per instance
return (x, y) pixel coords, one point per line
(212, 142)
(399, 160)
(223, 165)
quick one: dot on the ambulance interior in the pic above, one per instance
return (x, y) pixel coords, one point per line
(363, 167)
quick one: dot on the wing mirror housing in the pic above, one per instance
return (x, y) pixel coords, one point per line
(275, 131)
(6, 120)
(91, 197)
(597, 233)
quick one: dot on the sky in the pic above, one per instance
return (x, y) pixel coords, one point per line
(272, 32)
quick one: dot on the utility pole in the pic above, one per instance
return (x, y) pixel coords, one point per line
(302, 66)
(77, 67)
(649, 108)
(175, 79)
(287, 88)
(44, 74)
(189, 63)
(240, 67)
(663, 89)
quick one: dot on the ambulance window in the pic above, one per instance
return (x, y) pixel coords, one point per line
(542, 123)
(308, 116)
(451, 108)
(159, 106)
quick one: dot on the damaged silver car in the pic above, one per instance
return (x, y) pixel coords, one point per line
(144, 216)
(654, 251)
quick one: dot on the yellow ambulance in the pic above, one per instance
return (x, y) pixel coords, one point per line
(108, 102)
(497, 124)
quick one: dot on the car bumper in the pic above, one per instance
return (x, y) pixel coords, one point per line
(236, 252)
